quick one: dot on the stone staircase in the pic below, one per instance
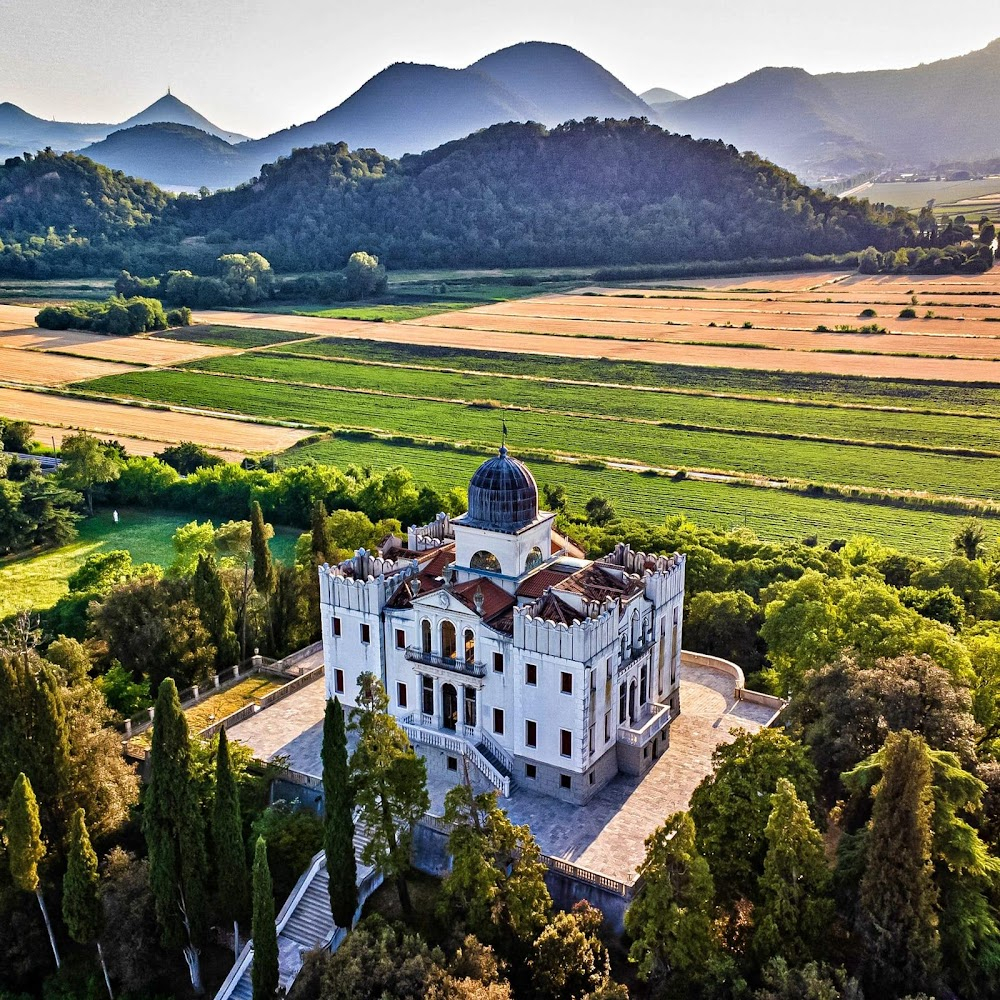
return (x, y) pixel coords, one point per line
(304, 923)
(501, 765)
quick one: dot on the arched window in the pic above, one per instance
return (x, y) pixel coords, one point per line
(534, 559)
(470, 646)
(448, 640)
(486, 561)
(425, 636)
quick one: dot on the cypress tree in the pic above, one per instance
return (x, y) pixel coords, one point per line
(82, 910)
(322, 541)
(338, 834)
(229, 853)
(796, 908)
(263, 566)
(898, 897)
(264, 972)
(25, 848)
(175, 833)
(216, 611)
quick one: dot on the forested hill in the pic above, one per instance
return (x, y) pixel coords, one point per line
(607, 192)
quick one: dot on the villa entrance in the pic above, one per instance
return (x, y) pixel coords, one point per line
(449, 707)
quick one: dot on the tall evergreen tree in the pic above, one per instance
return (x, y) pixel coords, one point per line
(898, 899)
(263, 565)
(338, 834)
(796, 907)
(322, 540)
(83, 913)
(215, 610)
(264, 973)
(175, 833)
(670, 920)
(25, 848)
(228, 852)
(34, 736)
(390, 783)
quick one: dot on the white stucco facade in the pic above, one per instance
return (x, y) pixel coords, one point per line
(497, 641)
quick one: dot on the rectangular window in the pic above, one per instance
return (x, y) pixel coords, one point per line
(400, 639)
(427, 692)
(401, 695)
(591, 777)
(338, 681)
(565, 781)
(452, 763)
(498, 663)
(621, 704)
(643, 682)
(607, 726)
(566, 683)
(565, 743)
(498, 721)
(530, 733)
(336, 626)
(366, 633)
(608, 668)
(591, 739)
(531, 674)
(530, 771)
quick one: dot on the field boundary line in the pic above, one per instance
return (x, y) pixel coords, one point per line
(614, 418)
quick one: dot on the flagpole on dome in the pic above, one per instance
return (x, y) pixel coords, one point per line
(503, 440)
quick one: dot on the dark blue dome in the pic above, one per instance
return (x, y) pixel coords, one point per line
(503, 495)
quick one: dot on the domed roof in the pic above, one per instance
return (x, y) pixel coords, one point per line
(503, 495)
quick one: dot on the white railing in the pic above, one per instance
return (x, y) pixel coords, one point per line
(456, 745)
(498, 751)
(639, 736)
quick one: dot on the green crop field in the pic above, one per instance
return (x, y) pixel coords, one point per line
(908, 394)
(916, 194)
(38, 581)
(771, 513)
(849, 424)
(230, 336)
(859, 465)
(389, 313)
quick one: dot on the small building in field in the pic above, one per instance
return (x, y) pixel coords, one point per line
(499, 643)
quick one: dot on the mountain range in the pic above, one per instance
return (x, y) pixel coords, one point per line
(821, 127)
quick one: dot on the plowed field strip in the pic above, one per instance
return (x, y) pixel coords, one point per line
(137, 350)
(156, 425)
(35, 368)
(882, 366)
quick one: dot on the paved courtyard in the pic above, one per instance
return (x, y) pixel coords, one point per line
(605, 836)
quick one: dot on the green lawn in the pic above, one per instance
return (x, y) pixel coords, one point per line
(388, 313)
(660, 446)
(771, 513)
(40, 580)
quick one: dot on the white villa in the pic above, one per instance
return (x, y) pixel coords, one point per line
(499, 643)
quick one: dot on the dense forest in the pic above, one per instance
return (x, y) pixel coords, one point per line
(602, 193)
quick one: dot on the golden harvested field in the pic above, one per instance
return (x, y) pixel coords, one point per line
(16, 317)
(35, 368)
(136, 350)
(161, 426)
(134, 446)
(280, 321)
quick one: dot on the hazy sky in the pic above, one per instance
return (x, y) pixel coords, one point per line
(255, 66)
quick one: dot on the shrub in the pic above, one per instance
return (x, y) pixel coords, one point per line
(868, 313)
(908, 313)
(179, 317)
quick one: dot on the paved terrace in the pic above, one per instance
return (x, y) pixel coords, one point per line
(607, 835)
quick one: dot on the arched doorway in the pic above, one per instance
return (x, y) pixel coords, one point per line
(631, 702)
(448, 640)
(449, 707)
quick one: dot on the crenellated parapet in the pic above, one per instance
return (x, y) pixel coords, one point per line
(364, 582)
(580, 640)
(421, 538)
(662, 576)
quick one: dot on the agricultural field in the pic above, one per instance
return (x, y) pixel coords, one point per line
(137, 350)
(758, 395)
(40, 580)
(971, 198)
(771, 513)
(158, 425)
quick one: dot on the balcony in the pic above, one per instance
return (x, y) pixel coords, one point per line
(473, 668)
(643, 730)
